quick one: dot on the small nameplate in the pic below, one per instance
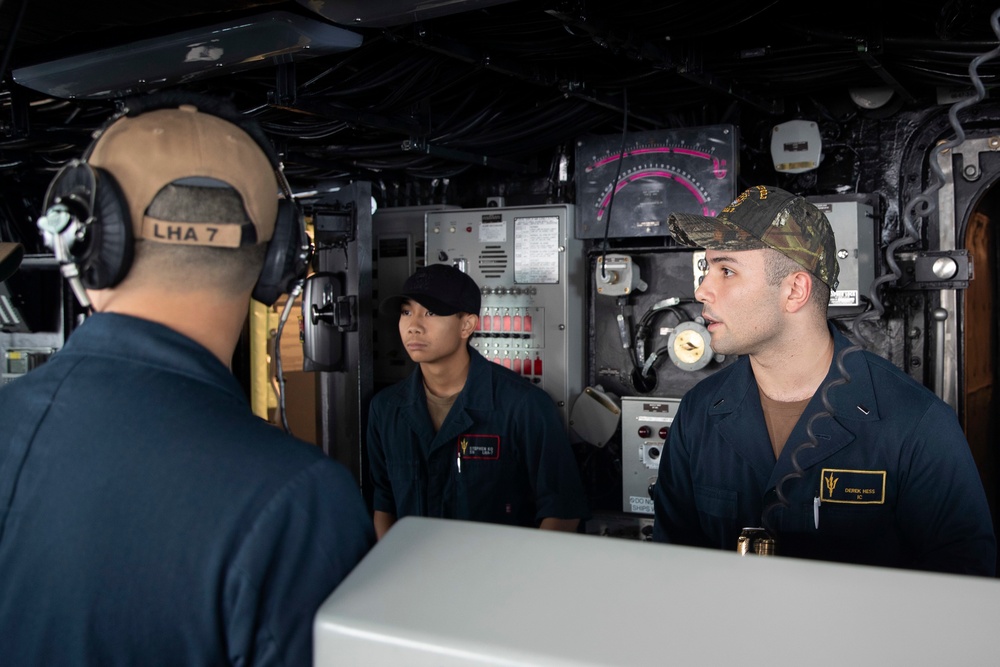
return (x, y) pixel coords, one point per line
(854, 487)
(480, 447)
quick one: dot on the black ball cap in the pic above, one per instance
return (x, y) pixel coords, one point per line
(440, 288)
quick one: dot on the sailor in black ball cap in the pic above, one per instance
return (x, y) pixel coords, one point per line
(461, 437)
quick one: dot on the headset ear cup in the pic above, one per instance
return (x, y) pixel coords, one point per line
(113, 245)
(103, 253)
(285, 261)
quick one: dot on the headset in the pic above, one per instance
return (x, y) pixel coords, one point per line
(88, 226)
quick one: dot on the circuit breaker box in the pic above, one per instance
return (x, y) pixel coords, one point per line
(853, 222)
(645, 429)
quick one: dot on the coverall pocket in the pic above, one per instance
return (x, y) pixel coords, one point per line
(855, 522)
(407, 487)
(718, 503)
(488, 491)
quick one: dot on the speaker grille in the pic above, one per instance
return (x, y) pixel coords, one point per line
(493, 261)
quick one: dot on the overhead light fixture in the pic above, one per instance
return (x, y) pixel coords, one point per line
(796, 146)
(871, 98)
(879, 102)
(246, 43)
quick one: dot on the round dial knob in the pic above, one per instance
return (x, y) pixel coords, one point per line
(689, 346)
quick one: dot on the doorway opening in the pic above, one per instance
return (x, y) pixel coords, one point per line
(981, 365)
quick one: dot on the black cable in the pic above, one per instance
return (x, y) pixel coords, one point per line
(643, 328)
(527, 124)
(647, 369)
(296, 290)
(643, 377)
(649, 314)
(9, 49)
(721, 26)
(614, 183)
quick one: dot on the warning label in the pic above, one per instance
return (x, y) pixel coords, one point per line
(641, 505)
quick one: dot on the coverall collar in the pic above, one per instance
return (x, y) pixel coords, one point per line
(476, 396)
(737, 403)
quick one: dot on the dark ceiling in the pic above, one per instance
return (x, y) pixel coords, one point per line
(447, 90)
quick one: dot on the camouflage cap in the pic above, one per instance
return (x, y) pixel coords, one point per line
(766, 217)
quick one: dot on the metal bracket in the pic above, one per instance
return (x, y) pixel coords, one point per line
(941, 269)
(340, 312)
(970, 151)
(286, 87)
(334, 226)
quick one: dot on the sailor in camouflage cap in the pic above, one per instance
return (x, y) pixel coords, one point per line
(766, 217)
(835, 451)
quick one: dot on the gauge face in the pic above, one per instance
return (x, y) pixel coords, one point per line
(689, 170)
(689, 346)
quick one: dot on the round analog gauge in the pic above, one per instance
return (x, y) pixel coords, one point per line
(690, 346)
(655, 174)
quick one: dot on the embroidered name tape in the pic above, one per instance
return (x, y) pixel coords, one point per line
(482, 447)
(854, 487)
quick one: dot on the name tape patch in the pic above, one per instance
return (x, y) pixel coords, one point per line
(479, 447)
(193, 233)
(854, 487)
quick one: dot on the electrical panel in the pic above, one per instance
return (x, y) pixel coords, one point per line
(526, 263)
(649, 341)
(853, 222)
(645, 429)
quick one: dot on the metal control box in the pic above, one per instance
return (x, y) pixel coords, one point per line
(852, 219)
(531, 272)
(645, 429)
